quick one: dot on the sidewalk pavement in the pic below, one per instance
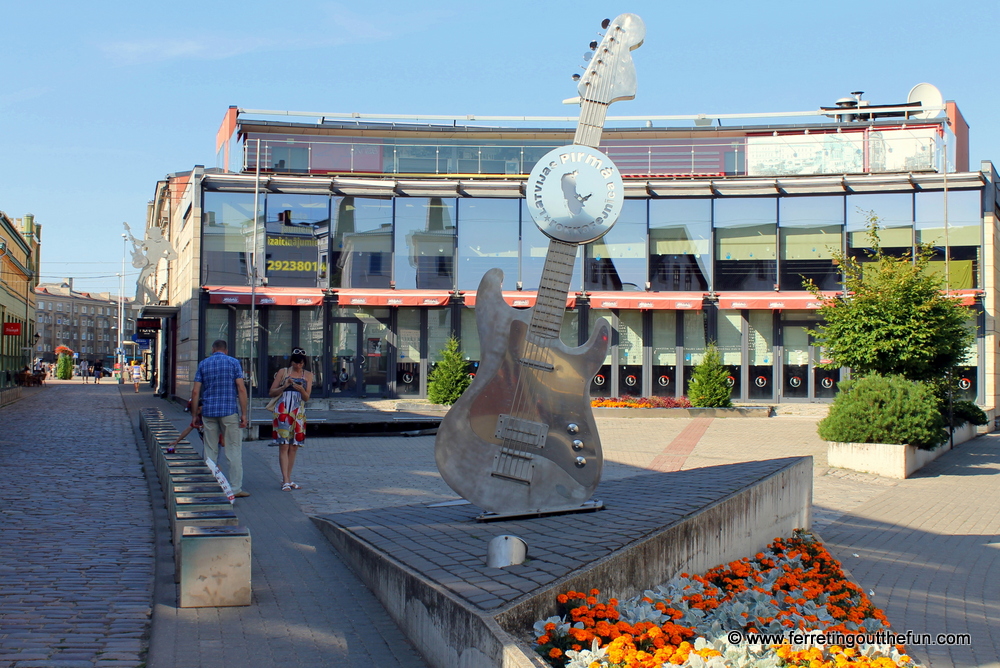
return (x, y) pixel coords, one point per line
(927, 546)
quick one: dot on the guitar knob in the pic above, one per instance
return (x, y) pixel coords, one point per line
(577, 444)
(573, 428)
(581, 462)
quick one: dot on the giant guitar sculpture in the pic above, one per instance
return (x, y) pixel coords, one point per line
(522, 439)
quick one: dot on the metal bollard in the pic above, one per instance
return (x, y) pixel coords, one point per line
(505, 551)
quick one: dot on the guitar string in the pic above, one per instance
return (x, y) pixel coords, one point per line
(518, 466)
(534, 349)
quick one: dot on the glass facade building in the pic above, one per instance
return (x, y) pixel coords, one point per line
(372, 275)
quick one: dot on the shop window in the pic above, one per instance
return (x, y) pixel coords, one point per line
(761, 353)
(408, 352)
(227, 242)
(959, 230)
(895, 214)
(425, 243)
(811, 234)
(745, 244)
(298, 229)
(617, 261)
(695, 337)
(630, 349)
(730, 343)
(361, 246)
(488, 231)
(600, 384)
(680, 241)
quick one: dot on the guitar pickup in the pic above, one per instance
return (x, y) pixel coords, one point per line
(512, 430)
(535, 364)
(513, 466)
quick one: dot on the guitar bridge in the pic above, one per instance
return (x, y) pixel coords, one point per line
(513, 466)
(535, 364)
(516, 431)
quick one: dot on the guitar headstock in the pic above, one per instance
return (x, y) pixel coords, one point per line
(610, 74)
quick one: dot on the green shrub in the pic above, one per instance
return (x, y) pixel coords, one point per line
(709, 386)
(965, 412)
(64, 368)
(450, 376)
(885, 409)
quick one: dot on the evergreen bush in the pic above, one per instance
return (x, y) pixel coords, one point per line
(450, 376)
(64, 365)
(963, 412)
(885, 409)
(709, 386)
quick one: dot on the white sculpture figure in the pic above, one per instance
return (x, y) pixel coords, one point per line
(146, 256)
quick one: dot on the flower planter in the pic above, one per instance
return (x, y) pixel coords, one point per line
(887, 459)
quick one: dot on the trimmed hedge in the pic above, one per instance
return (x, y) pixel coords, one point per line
(885, 409)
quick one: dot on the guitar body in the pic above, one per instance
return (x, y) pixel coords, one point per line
(523, 386)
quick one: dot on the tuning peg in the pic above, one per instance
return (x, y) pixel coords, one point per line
(593, 45)
(575, 77)
(605, 23)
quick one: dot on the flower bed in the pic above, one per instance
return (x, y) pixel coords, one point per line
(795, 584)
(640, 402)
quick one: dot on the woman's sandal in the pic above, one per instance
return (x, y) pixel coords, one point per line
(286, 487)
(294, 485)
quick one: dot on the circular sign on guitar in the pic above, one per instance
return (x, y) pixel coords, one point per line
(574, 194)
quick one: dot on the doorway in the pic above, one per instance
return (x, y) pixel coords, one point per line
(801, 377)
(359, 360)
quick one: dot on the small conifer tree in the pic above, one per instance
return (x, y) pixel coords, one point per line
(64, 365)
(450, 376)
(709, 383)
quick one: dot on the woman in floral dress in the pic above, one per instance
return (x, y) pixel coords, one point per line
(293, 385)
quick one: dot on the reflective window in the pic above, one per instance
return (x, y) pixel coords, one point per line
(469, 343)
(245, 342)
(534, 247)
(811, 232)
(960, 230)
(408, 351)
(279, 340)
(617, 261)
(361, 246)
(745, 243)
(895, 214)
(227, 242)
(488, 233)
(425, 243)
(680, 242)
(216, 327)
(664, 351)
(630, 353)
(600, 385)
(311, 341)
(761, 354)
(298, 229)
(730, 345)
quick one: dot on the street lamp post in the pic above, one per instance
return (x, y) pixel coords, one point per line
(121, 314)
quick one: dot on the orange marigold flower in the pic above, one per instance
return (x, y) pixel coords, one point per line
(555, 652)
(543, 640)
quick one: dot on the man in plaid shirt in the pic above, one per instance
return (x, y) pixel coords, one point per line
(222, 409)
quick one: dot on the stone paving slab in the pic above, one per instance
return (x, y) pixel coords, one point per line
(308, 608)
(76, 542)
(448, 546)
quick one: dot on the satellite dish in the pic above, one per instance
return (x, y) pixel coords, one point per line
(929, 96)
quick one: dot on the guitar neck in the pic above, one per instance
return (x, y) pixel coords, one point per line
(547, 316)
(591, 123)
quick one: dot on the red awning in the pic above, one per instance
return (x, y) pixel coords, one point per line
(351, 297)
(673, 301)
(968, 297)
(228, 294)
(772, 300)
(518, 299)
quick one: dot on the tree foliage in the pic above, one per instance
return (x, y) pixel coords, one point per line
(64, 367)
(450, 376)
(894, 318)
(709, 386)
(885, 409)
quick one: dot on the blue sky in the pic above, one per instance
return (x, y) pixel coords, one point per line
(99, 100)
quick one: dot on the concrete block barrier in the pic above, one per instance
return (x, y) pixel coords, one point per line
(214, 566)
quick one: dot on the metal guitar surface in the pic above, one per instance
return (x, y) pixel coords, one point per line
(480, 458)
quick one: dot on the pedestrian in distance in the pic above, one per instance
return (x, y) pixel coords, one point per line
(85, 370)
(220, 402)
(292, 387)
(136, 375)
(98, 371)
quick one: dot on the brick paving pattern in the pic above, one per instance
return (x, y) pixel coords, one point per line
(448, 546)
(76, 544)
(76, 538)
